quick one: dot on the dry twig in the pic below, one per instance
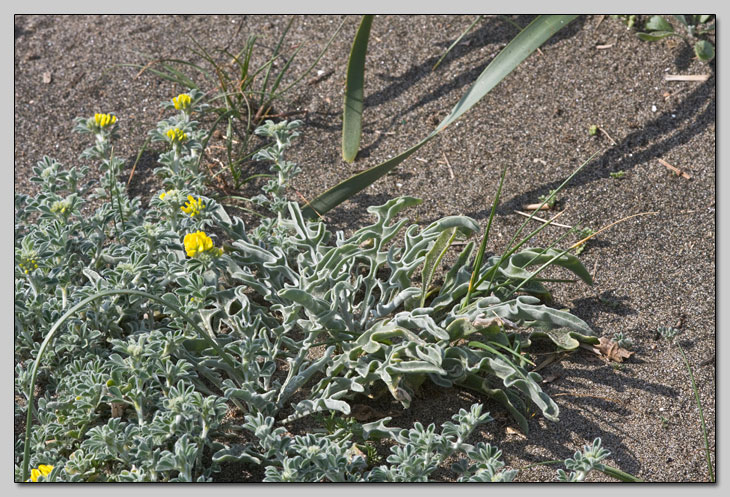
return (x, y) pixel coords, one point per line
(607, 135)
(306, 202)
(321, 77)
(686, 77)
(676, 171)
(544, 220)
(535, 207)
(448, 164)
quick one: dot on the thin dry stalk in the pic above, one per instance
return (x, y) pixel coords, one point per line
(544, 220)
(686, 77)
(677, 171)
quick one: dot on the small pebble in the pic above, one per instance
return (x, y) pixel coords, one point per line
(653, 108)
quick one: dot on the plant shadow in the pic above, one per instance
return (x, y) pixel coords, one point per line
(495, 30)
(668, 131)
(582, 415)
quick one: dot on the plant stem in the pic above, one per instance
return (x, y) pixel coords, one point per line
(702, 416)
(478, 261)
(618, 474)
(603, 468)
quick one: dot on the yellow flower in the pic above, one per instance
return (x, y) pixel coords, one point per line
(104, 120)
(182, 101)
(61, 205)
(28, 264)
(198, 243)
(176, 135)
(170, 195)
(43, 469)
(193, 206)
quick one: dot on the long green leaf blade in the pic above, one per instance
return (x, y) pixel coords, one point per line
(354, 90)
(528, 40)
(483, 246)
(433, 258)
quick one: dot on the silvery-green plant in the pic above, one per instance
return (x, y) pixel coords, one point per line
(623, 341)
(667, 332)
(584, 462)
(116, 353)
(152, 321)
(416, 453)
(179, 166)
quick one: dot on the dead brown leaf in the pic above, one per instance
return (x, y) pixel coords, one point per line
(361, 412)
(485, 322)
(353, 452)
(511, 431)
(551, 358)
(117, 409)
(550, 378)
(610, 350)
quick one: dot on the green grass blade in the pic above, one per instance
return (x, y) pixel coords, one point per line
(604, 468)
(456, 42)
(354, 89)
(433, 259)
(656, 35)
(702, 416)
(512, 250)
(172, 75)
(345, 190)
(247, 52)
(527, 41)
(548, 263)
(271, 94)
(309, 69)
(483, 246)
(276, 54)
(619, 475)
(482, 345)
(169, 72)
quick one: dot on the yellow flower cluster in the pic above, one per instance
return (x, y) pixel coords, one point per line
(43, 469)
(30, 264)
(193, 206)
(198, 243)
(61, 206)
(176, 135)
(182, 101)
(169, 193)
(104, 120)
